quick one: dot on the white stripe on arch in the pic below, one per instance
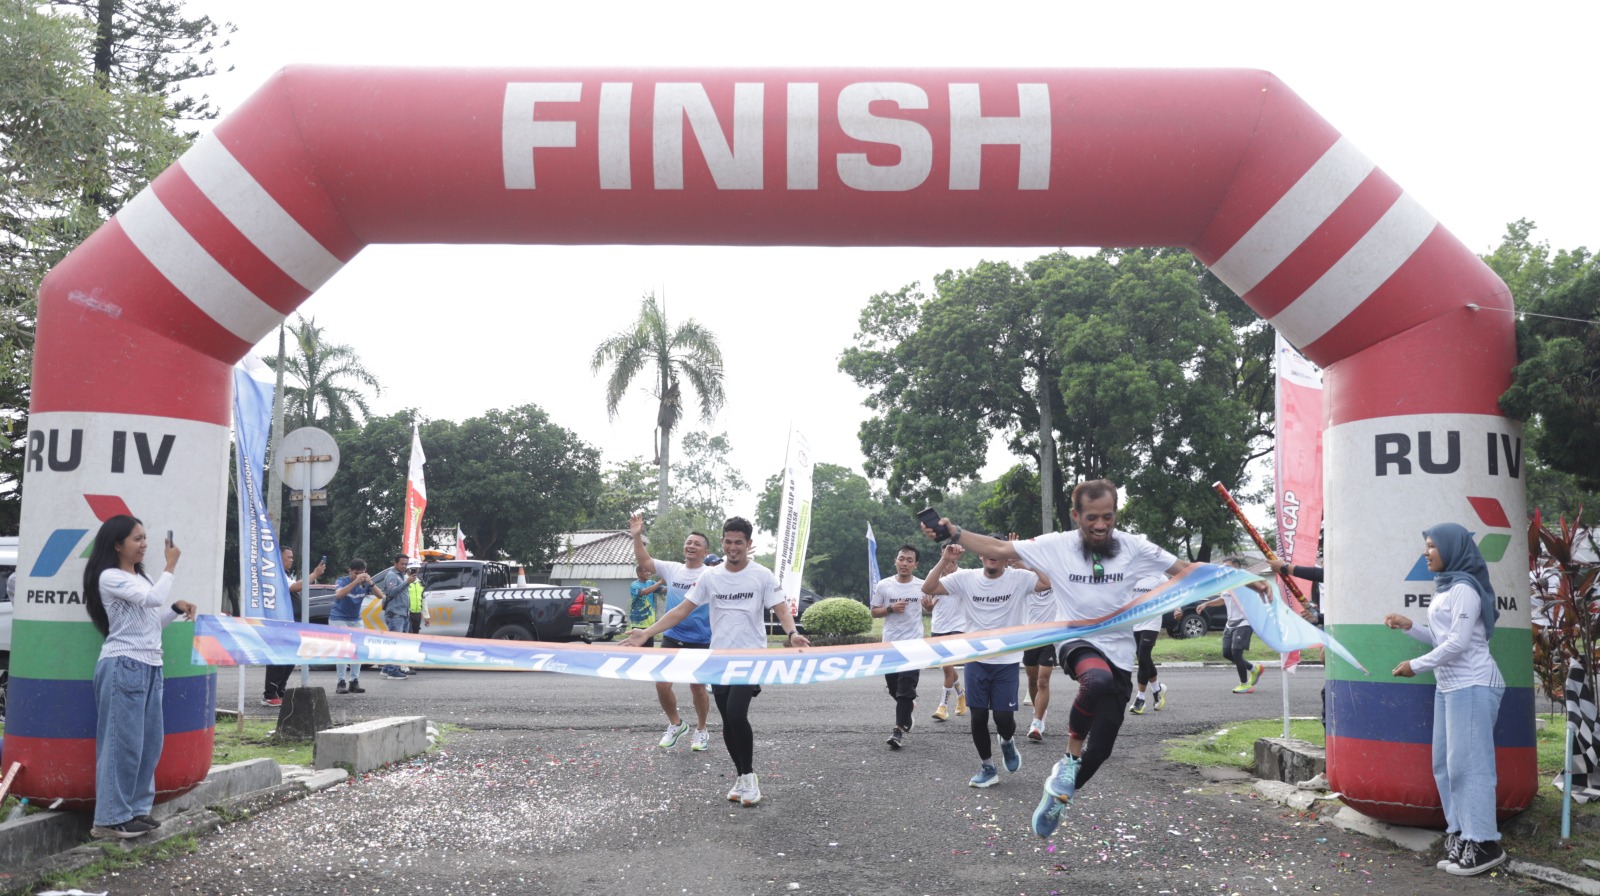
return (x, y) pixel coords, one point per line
(1294, 217)
(248, 206)
(1369, 263)
(186, 264)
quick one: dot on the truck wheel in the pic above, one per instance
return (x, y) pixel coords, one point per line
(512, 632)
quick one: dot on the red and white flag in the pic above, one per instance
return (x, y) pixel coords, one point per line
(461, 544)
(416, 498)
(1298, 463)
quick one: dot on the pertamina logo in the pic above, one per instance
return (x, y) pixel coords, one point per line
(1492, 546)
(63, 542)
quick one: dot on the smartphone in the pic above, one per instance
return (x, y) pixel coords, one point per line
(930, 518)
(323, 561)
(169, 536)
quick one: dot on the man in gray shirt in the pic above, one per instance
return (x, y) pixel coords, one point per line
(391, 584)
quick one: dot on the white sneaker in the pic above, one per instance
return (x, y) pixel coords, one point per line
(1036, 730)
(670, 738)
(736, 795)
(1027, 701)
(752, 790)
(699, 740)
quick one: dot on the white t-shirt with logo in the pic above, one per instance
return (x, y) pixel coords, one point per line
(1044, 606)
(1000, 602)
(737, 602)
(900, 626)
(1060, 556)
(1140, 589)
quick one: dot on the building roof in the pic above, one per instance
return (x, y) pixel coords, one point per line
(594, 553)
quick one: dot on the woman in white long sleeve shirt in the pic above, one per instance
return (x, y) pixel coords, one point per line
(1466, 699)
(130, 610)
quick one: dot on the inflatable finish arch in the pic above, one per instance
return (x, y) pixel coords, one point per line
(139, 326)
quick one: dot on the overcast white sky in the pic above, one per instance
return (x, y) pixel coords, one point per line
(1479, 110)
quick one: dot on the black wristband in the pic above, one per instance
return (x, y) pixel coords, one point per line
(175, 608)
(956, 537)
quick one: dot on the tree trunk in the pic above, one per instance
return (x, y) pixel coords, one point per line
(663, 489)
(1047, 458)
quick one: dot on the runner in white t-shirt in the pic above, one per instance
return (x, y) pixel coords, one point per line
(949, 618)
(1043, 606)
(1236, 634)
(897, 600)
(995, 596)
(694, 633)
(736, 595)
(1094, 569)
(1144, 643)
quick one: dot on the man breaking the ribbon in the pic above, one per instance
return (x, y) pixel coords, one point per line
(1094, 569)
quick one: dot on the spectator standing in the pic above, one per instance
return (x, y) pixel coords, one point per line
(390, 586)
(130, 611)
(897, 600)
(277, 680)
(1466, 698)
(414, 592)
(644, 595)
(350, 592)
(737, 594)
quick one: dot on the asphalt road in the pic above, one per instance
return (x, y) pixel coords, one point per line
(557, 787)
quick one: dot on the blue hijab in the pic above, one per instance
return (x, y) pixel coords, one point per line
(1463, 565)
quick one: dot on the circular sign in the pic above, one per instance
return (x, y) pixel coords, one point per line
(299, 473)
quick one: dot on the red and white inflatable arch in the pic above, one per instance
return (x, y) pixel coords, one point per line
(139, 326)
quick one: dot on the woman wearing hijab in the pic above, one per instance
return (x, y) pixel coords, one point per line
(130, 611)
(1466, 701)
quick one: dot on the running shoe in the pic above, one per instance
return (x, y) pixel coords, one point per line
(1013, 758)
(1161, 697)
(1138, 705)
(736, 795)
(342, 688)
(752, 790)
(128, 830)
(670, 738)
(1255, 675)
(700, 740)
(355, 686)
(1047, 815)
(395, 675)
(1036, 730)
(1245, 688)
(897, 739)
(985, 777)
(1063, 780)
(941, 713)
(1477, 856)
(1028, 700)
(272, 701)
(1452, 850)
(961, 703)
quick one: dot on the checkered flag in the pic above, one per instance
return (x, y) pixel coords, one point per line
(1581, 722)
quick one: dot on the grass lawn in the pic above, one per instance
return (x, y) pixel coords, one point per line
(1533, 836)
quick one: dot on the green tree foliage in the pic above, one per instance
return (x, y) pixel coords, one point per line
(688, 352)
(324, 381)
(625, 488)
(77, 140)
(705, 478)
(668, 532)
(512, 479)
(1556, 384)
(1148, 371)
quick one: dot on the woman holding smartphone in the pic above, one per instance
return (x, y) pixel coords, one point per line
(129, 610)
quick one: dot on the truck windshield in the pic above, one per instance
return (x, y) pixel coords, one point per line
(443, 577)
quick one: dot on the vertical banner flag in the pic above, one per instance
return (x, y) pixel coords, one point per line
(461, 544)
(794, 518)
(263, 584)
(1298, 463)
(872, 560)
(416, 498)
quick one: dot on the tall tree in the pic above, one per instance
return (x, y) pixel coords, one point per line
(326, 380)
(1556, 384)
(688, 352)
(625, 488)
(705, 479)
(1136, 364)
(77, 140)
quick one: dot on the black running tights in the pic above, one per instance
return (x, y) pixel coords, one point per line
(733, 704)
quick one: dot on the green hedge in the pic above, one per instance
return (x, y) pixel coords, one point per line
(837, 617)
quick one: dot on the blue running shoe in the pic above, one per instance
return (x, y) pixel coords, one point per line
(985, 777)
(1008, 749)
(1063, 780)
(1047, 815)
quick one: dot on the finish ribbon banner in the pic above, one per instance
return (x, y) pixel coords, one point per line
(234, 641)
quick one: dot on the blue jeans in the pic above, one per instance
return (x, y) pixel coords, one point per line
(1463, 759)
(127, 738)
(353, 668)
(398, 623)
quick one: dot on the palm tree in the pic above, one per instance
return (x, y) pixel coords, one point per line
(328, 384)
(689, 353)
